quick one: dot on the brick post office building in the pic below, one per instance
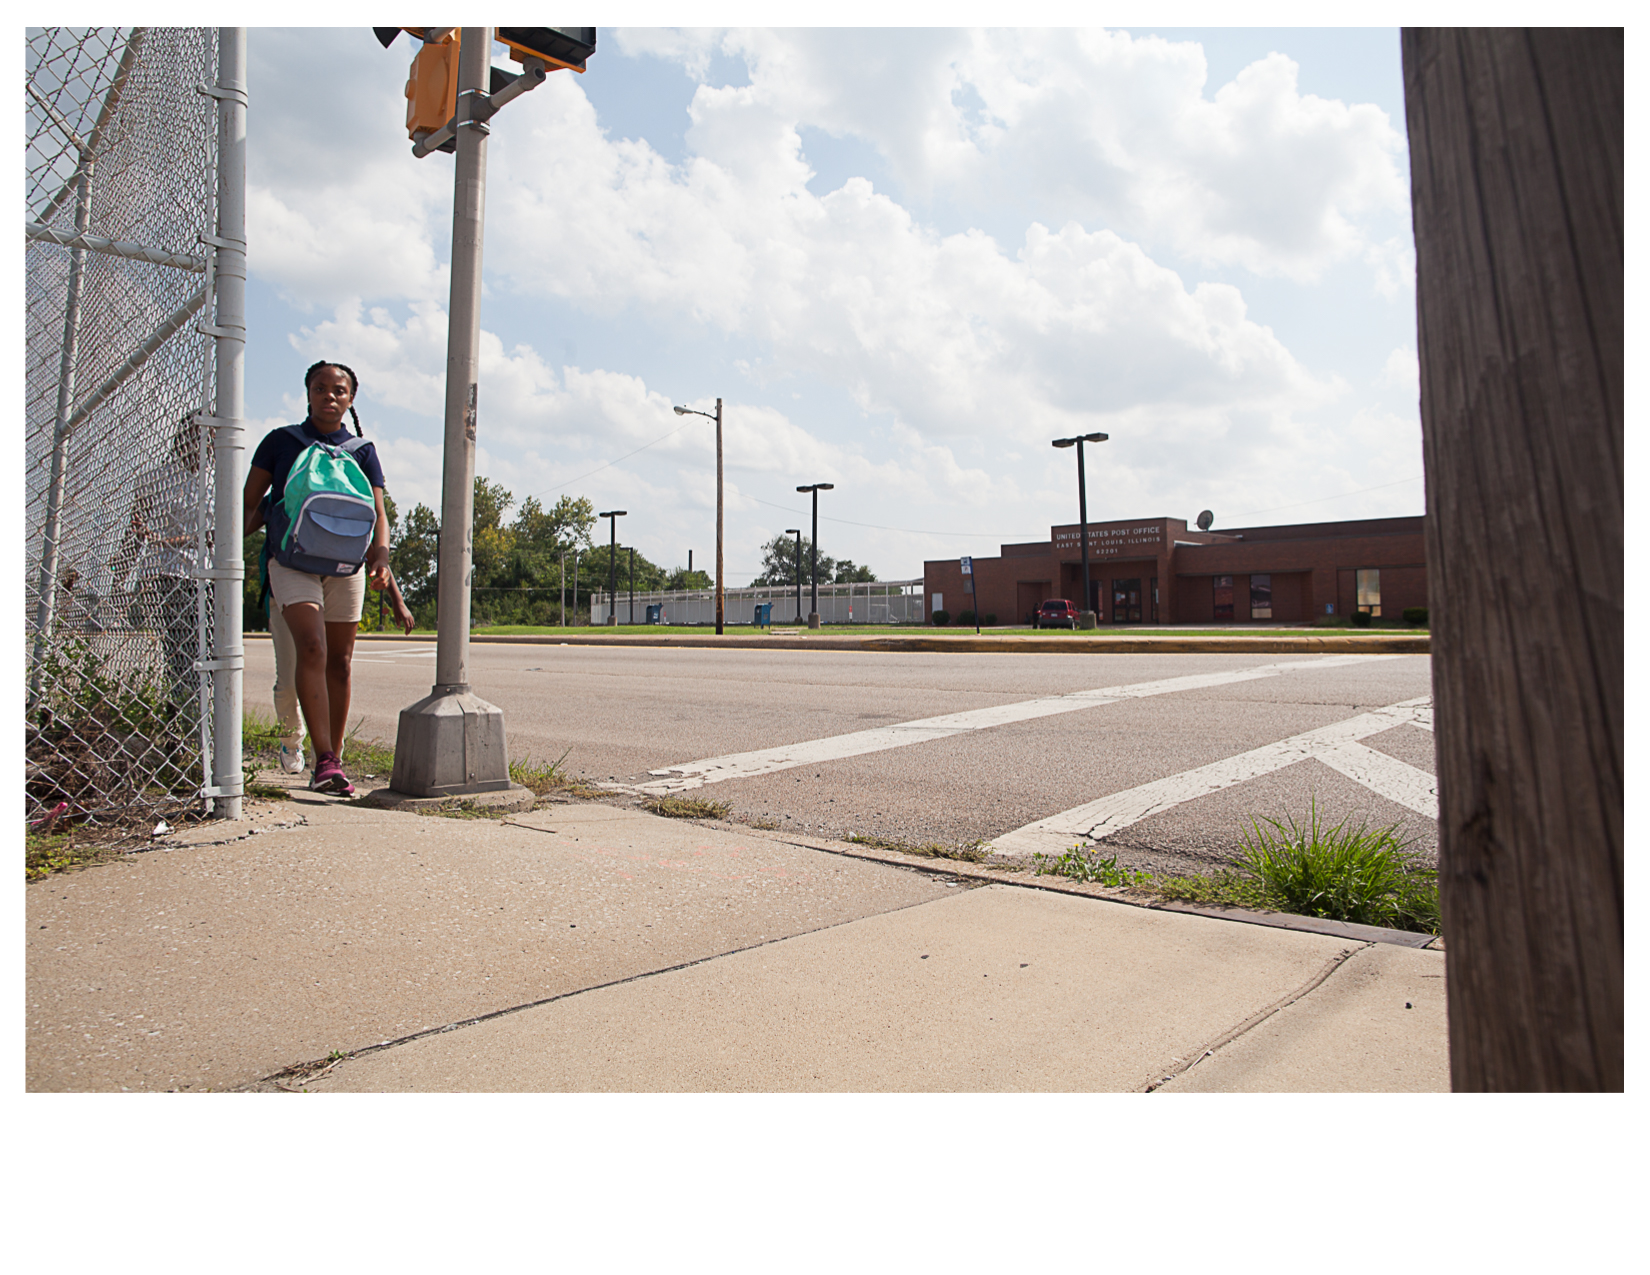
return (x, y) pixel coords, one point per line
(1157, 571)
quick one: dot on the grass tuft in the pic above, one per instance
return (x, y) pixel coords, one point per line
(688, 808)
(968, 852)
(541, 778)
(1344, 872)
(1368, 876)
(1077, 865)
(458, 808)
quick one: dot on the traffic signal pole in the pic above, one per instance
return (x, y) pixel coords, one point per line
(458, 461)
(451, 743)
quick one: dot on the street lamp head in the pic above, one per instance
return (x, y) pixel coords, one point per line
(1095, 438)
(793, 531)
(1065, 442)
(614, 513)
(825, 486)
(680, 411)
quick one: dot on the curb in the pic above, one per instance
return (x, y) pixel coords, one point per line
(1361, 644)
(1105, 894)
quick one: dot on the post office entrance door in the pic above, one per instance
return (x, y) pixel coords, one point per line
(1125, 601)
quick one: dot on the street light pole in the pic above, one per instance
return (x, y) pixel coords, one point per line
(813, 613)
(1088, 620)
(613, 516)
(693, 411)
(720, 597)
(797, 532)
(452, 741)
(633, 584)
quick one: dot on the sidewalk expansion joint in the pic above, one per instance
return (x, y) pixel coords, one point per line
(1180, 1068)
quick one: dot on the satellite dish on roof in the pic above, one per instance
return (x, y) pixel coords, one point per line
(1205, 520)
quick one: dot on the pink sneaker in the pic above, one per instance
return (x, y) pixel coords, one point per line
(329, 776)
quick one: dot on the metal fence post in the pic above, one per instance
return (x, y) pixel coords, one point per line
(228, 569)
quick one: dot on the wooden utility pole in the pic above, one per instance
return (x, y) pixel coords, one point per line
(1516, 169)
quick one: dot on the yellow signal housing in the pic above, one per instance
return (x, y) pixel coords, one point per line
(432, 87)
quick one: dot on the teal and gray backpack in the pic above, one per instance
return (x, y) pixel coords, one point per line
(323, 523)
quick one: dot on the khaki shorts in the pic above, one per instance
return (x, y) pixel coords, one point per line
(339, 597)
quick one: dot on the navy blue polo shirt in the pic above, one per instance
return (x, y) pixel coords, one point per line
(279, 449)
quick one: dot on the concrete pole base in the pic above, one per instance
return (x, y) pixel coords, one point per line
(1086, 619)
(511, 800)
(612, 619)
(813, 619)
(450, 744)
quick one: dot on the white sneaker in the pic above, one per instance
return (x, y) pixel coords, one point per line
(292, 759)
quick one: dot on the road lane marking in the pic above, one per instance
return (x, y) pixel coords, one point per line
(389, 657)
(1335, 745)
(765, 761)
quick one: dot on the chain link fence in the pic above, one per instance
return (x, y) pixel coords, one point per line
(121, 178)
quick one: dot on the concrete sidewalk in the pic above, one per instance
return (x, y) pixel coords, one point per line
(587, 947)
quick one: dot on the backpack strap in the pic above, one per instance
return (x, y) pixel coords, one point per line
(353, 445)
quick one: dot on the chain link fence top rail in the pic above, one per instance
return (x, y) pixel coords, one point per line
(121, 162)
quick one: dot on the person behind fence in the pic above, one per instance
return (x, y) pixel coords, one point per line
(325, 521)
(160, 548)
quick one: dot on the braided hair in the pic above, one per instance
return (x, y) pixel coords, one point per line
(354, 388)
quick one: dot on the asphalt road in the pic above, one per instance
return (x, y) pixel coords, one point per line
(1018, 754)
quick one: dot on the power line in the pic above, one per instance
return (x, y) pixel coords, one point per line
(550, 491)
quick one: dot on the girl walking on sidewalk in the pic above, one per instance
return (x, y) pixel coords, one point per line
(321, 609)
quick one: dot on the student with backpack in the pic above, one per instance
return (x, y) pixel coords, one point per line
(325, 521)
(285, 690)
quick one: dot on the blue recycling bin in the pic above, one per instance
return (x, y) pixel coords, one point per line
(764, 614)
(654, 614)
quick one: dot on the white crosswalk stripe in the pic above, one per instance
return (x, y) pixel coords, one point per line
(1335, 745)
(696, 774)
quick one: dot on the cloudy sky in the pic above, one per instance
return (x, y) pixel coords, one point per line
(906, 259)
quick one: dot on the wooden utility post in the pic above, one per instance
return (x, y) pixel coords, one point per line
(1516, 163)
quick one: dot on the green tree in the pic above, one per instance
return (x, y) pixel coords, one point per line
(845, 572)
(779, 565)
(413, 545)
(682, 579)
(779, 562)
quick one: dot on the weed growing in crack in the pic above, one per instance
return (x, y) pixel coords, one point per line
(1368, 876)
(541, 778)
(1077, 865)
(688, 808)
(969, 852)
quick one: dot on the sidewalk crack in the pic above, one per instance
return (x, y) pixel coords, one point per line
(1254, 1020)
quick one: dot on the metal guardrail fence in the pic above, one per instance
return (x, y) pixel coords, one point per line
(884, 602)
(122, 164)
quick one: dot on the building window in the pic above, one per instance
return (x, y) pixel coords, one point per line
(1223, 597)
(1260, 597)
(1369, 591)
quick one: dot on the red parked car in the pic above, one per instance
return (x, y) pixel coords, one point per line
(1056, 613)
